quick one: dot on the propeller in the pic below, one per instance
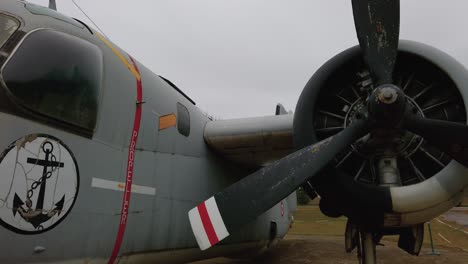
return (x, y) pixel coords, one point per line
(450, 137)
(378, 27)
(246, 199)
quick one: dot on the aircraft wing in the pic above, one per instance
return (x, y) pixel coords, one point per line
(254, 141)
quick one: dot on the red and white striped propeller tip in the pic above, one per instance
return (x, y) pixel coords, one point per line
(207, 224)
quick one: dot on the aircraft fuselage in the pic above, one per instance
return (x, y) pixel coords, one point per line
(71, 146)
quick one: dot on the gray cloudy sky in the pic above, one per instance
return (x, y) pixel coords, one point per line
(239, 58)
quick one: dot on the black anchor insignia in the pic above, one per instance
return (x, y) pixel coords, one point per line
(36, 216)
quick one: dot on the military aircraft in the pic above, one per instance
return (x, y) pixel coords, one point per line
(104, 161)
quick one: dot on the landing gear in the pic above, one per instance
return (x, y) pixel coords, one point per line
(388, 175)
(367, 253)
(364, 241)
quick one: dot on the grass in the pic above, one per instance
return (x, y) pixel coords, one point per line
(310, 221)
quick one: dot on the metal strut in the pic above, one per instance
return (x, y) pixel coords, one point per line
(368, 254)
(388, 175)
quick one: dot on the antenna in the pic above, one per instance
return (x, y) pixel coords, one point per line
(82, 11)
(52, 5)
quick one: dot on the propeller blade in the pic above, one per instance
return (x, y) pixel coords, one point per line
(450, 137)
(378, 26)
(248, 198)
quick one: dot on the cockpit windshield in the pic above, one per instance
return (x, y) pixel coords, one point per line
(8, 26)
(57, 75)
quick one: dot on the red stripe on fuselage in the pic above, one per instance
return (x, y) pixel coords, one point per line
(207, 225)
(130, 165)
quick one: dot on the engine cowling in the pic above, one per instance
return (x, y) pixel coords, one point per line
(429, 182)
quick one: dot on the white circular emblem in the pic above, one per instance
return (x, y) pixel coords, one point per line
(39, 183)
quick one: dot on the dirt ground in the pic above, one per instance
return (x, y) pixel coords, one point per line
(317, 239)
(296, 249)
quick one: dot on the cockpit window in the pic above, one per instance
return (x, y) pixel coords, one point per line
(8, 26)
(183, 120)
(57, 75)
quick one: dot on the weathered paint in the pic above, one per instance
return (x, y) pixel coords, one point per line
(183, 170)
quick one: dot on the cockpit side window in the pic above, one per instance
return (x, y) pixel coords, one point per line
(57, 75)
(183, 120)
(8, 26)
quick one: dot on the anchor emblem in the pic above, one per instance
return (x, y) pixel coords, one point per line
(39, 215)
(39, 184)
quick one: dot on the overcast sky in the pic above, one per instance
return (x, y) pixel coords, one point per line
(238, 58)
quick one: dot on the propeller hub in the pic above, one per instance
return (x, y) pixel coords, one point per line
(388, 95)
(387, 105)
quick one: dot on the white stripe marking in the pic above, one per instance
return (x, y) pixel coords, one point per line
(443, 223)
(198, 229)
(216, 219)
(120, 186)
(448, 241)
(457, 228)
(321, 221)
